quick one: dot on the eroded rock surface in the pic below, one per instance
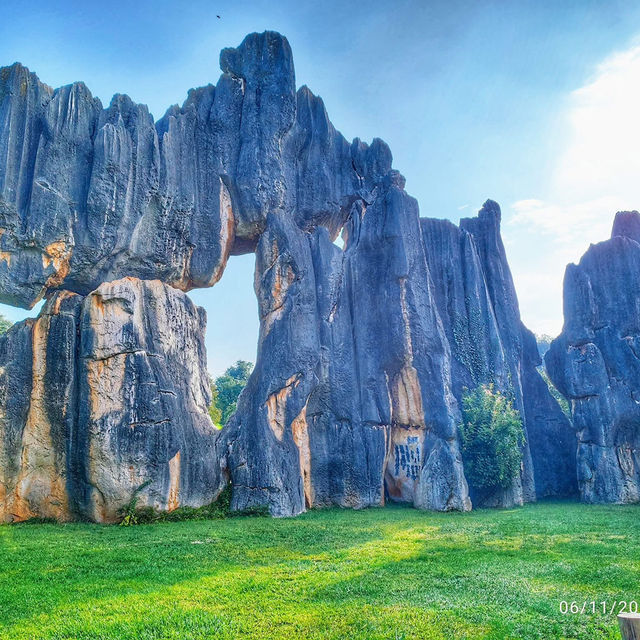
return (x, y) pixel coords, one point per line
(105, 398)
(363, 352)
(595, 363)
(479, 307)
(91, 194)
(364, 356)
(38, 367)
(350, 397)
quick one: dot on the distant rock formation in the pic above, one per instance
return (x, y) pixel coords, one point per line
(103, 399)
(364, 352)
(595, 362)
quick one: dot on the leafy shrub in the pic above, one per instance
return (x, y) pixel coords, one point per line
(492, 438)
(559, 398)
(129, 512)
(39, 520)
(215, 413)
(5, 324)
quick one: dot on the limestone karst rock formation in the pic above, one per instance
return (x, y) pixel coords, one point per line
(104, 398)
(359, 378)
(351, 392)
(490, 345)
(595, 362)
(88, 195)
(363, 352)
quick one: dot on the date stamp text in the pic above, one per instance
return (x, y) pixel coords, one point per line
(603, 607)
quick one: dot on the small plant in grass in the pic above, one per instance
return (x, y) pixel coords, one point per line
(40, 520)
(129, 512)
(220, 508)
(492, 437)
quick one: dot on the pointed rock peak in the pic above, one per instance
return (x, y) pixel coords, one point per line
(371, 161)
(15, 69)
(311, 106)
(17, 77)
(490, 210)
(259, 54)
(486, 222)
(380, 150)
(199, 96)
(627, 224)
(121, 102)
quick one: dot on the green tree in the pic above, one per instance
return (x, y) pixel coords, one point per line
(492, 438)
(5, 324)
(228, 387)
(214, 410)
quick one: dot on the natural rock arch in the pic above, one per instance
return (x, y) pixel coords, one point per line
(361, 357)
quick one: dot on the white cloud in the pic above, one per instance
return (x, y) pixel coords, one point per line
(569, 223)
(603, 155)
(597, 174)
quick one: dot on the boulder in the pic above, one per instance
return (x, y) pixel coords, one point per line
(595, 363)
(104, 399)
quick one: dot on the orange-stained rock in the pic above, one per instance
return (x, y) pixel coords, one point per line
(37, 412)
(103, 400)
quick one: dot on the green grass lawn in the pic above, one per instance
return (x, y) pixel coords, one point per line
(379, 573)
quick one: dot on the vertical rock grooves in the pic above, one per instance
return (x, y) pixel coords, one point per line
(594, 362)
(115, 406)
(363, 353)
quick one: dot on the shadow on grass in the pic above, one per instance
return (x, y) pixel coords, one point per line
(328, 573)
(46, 566)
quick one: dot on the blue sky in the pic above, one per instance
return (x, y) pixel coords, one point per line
(531, 103)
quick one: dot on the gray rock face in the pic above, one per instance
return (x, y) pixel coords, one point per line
(594, 363)
(402, 357)
(363, 353)
(103, 398)
(551, 435)
(350, 398)
(89, 195)
(355, 394)
(479, 307)
(37, 411)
